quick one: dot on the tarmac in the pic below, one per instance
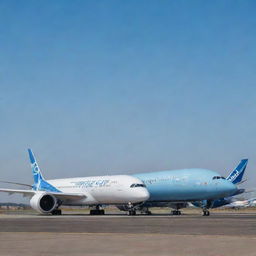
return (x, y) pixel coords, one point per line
(118, 234)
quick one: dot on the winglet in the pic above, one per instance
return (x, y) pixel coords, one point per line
(236, 175)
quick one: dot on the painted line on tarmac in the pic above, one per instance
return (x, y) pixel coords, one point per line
(126, 234)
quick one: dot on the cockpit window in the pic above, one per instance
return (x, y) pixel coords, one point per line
(137, 185)
(218, 177)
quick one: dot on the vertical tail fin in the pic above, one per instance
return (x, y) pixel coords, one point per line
(37, 175)
(236, 175)
(39, 182)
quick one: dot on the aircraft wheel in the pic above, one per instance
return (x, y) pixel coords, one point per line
(56, 212)
(97, 212)
(94, 212)
(131, 212)
(206, 213)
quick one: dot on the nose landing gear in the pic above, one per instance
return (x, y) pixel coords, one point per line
(131, 212)
(205, 205)
(131, 209)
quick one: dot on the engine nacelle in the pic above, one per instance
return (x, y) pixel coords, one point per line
(43, 202)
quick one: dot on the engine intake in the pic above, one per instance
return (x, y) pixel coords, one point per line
(43, 202)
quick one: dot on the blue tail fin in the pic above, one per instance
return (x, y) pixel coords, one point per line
(35, 169)
(39, 182)
(236, 175)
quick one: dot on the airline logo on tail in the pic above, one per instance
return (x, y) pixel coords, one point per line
(236, 175)
(39, 182)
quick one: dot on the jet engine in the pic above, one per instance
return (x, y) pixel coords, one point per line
(43, 202)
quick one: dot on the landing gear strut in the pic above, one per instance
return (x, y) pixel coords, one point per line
(205, 212)
(97, 211)
(56, 212)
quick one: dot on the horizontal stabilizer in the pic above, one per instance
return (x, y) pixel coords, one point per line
(15, 183)
(28, 193)
(241, 182)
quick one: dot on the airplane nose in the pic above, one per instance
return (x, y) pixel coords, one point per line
(230, 188)
(143, 195)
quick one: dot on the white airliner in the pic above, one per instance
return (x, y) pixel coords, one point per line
(47, 196)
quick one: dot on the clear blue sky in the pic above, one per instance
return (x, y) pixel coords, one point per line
(106, 87)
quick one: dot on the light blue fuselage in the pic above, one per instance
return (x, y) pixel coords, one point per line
(185, 185)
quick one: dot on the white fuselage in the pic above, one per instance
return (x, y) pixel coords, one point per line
(112, 189)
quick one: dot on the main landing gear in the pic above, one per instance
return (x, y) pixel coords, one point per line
(56, 212)
(97, 211)
(143, 211)
(205, 212)
(176, 212)
(176, 206)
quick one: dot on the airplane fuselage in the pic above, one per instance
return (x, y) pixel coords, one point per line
(186, 185)
(112, 189)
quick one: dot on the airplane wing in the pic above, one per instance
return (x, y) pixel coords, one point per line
(15, 183)
(58, 195)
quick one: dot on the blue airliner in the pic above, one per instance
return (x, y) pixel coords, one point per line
(201, 186)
